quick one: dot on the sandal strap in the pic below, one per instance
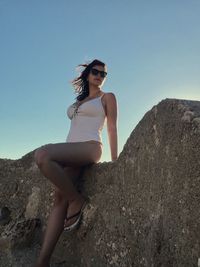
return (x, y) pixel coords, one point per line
(74, 215)
(77, 212)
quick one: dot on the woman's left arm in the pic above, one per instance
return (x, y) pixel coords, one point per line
(111, 108)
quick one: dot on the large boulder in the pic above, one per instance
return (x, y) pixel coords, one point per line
(143, 209)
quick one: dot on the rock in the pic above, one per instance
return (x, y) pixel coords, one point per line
(32, 206)
(18, 233)
(4, 215)
(144, 207)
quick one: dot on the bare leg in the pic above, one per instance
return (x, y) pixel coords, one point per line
(55, 223)
(47, 159)
(50, 157)
(56, 175)
(52, 234)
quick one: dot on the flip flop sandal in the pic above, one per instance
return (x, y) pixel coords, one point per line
(72, 226)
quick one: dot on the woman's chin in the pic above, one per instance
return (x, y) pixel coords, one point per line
(97, 83)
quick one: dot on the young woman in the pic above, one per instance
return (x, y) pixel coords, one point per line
(83, 146)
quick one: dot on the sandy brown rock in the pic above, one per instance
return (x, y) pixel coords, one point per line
(143, 208)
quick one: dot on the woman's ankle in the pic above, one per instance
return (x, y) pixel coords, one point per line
(78, 198)
(43, 262)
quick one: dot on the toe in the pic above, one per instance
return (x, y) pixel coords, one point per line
(69, 222)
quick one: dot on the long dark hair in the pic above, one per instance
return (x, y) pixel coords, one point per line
(80, 83)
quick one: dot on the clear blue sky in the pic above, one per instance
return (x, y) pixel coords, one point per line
(151, 48)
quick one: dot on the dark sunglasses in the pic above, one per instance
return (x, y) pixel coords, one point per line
(95, 72)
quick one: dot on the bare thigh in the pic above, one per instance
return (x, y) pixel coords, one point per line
(70, 154)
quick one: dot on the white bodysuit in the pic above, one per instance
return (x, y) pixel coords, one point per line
(87, 122)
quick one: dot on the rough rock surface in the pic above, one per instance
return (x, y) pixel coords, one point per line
(143, 210)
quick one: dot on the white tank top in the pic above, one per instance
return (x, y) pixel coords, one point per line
(87, 121)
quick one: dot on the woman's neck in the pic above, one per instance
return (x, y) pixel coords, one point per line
(94, 94)
(94, 90)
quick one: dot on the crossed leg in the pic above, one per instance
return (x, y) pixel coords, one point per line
(51, 160)
(56, 219)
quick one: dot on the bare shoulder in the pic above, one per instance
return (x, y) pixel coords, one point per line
(109, 103)
(110, 96)
(109, 93)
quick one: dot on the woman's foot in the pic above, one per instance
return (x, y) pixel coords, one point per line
(73, 208)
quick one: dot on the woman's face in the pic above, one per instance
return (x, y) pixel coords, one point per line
(97, 79)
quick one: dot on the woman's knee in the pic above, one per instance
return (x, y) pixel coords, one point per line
(41, 155)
